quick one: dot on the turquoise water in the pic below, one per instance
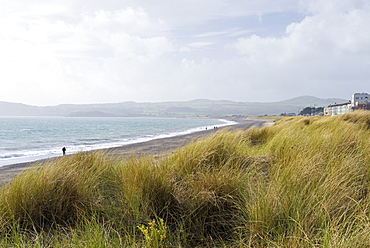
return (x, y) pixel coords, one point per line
(26, 139)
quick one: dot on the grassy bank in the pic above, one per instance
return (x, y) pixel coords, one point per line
(302, 182)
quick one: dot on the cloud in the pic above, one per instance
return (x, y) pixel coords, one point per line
(134, 21)
(200, 44)
(325, 50)
(317, 7)
(110, 51)
(229, 32)
(59, 60)
(313, 37)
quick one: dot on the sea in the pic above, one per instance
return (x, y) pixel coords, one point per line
(28, 139)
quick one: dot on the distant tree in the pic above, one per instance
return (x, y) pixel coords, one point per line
(312, 111)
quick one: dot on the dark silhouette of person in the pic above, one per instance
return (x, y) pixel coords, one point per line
(64, 150)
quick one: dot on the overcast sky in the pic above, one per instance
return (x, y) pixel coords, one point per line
(94, 51)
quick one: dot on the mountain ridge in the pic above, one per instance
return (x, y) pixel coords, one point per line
(196, 107)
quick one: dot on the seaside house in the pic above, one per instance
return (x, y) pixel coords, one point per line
(338, 109)
(359, 101)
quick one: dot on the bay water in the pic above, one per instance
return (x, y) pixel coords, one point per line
(27, 139)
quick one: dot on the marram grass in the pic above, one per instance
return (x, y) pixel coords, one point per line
(302, 182)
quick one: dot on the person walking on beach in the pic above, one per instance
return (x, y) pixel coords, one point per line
(64, 151)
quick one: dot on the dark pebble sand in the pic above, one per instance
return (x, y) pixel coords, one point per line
(150, 147)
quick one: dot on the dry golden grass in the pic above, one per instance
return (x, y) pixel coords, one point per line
(302, 182)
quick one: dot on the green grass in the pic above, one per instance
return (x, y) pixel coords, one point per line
(302, 182)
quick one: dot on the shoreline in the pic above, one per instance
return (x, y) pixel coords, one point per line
(101, 140)
(156, 146)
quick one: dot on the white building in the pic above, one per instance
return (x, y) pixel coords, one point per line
(338, 109)
(359, 101)
(360, 98)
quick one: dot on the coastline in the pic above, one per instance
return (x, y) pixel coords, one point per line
(156, 146)
(36, 139)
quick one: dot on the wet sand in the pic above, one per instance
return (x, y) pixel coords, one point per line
(150, 147)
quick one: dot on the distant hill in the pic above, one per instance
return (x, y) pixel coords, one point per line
(199, 107)
(19, 109)
(311, 100)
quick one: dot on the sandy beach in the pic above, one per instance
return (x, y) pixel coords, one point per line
(150, 147)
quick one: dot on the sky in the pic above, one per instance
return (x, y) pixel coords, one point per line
(93, 51)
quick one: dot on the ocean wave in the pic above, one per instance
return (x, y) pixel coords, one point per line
(88, 144)
(7, 156)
